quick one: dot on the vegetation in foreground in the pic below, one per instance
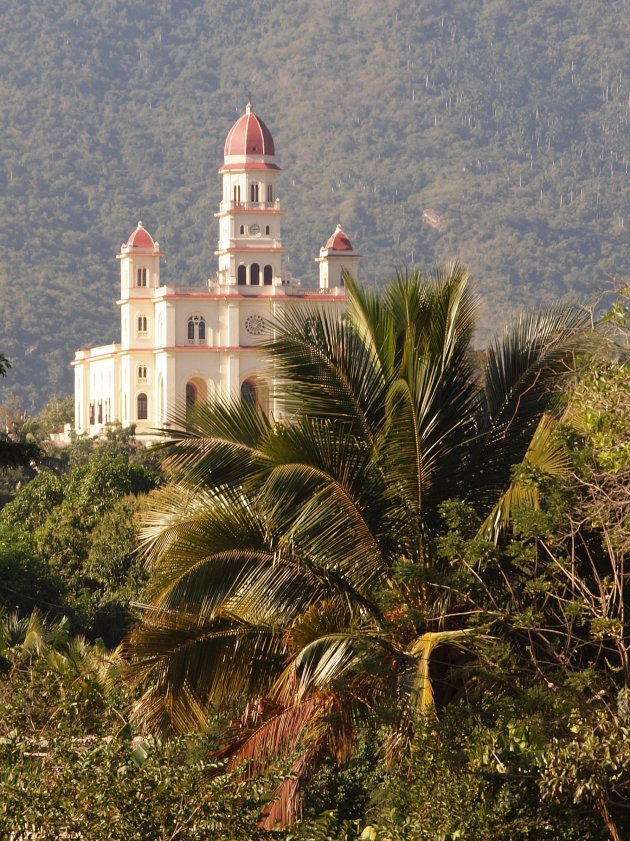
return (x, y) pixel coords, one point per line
(400, 617)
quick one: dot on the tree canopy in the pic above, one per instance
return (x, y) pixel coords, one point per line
(294, 566)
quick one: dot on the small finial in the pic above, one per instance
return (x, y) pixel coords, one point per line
(140, 225)
(338, 228)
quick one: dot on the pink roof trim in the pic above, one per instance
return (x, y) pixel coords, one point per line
(248, 165)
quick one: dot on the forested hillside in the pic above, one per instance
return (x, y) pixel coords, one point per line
(509, 122)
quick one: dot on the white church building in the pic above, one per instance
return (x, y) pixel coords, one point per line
(180, 344)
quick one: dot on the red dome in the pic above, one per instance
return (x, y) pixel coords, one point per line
(140, 238)
(249, 136)
(338, 241)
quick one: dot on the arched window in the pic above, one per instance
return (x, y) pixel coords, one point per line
(253, 193)
(237, 194)
(196, 324)
(269, 192)
(254, 274)
(267, 275)
(249, 392)
(242, 229)
(142, 373)
(242, 275)
(267, 229)
(142, 277)
(142, 325)
(92, 416)
(143, 407)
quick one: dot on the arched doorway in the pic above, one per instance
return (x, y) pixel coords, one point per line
(254, 275)
(191, 396)
(196, 392)
(267, 275)
(249, 392)
(242, 275)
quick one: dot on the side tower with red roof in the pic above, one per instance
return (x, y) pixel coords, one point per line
(335, 257)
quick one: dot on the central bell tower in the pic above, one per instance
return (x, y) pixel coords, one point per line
(249, 248)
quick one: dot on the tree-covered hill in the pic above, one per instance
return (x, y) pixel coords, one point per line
(508, 121)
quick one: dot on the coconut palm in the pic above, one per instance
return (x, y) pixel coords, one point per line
(292, 563)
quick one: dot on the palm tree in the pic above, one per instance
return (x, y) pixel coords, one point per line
(292, 564)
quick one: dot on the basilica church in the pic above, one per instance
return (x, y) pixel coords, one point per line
(180, 344)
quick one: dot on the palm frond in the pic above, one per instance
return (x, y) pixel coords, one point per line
(546, 454)
(523, 369)
(319, 665)
(189, 665)
(421, 650)
(218, 442)
(324, 369)
(268, 730)
(180, 524)
(321, 496)
(285, 805)
(374, 324)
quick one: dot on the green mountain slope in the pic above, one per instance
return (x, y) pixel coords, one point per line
(508, 122)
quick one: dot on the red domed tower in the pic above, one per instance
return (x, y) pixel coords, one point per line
(249, 248)
(337, 255)
(139, 264)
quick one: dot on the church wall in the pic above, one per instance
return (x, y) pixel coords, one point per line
(196, 309)
(157, 357)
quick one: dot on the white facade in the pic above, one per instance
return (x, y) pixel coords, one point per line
(182, 344)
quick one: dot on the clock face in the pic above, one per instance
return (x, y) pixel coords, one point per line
(254, 230)
(255, 325)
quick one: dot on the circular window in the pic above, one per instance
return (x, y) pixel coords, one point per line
(255, 325)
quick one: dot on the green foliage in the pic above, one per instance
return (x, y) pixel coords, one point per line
(51, 418)
(69, 541)
(25, 579)
(478, 777)
(293, 564)
(592, 763)
(34, 502)
(71, 765)
(600, 410)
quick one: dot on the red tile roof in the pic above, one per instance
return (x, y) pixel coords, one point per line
(141, 238)
(338, 241)
(249, 136)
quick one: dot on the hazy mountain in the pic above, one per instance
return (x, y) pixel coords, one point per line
(505, 124)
